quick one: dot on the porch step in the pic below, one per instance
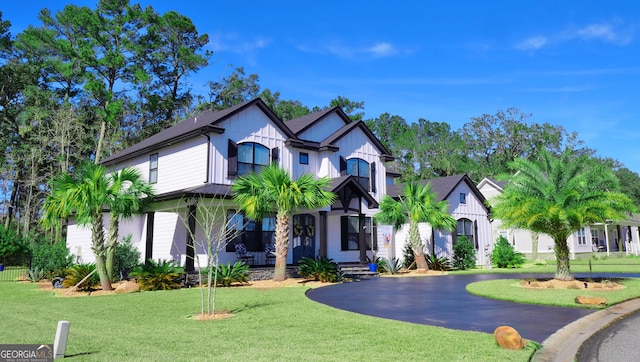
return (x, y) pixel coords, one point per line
(357, 271)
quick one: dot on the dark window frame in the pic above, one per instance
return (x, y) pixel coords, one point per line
(463, 198)
(350, 240)
(466, 225)
(360, 167)
(244, 168)
(304, 158)
(255, 234)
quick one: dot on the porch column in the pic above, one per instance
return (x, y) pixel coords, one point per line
(361, 239)
(189, 263)
(322, 228)
(148, 248)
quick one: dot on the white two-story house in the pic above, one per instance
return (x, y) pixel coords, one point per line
(199, 159)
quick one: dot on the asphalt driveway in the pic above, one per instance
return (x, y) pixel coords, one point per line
(443, 301)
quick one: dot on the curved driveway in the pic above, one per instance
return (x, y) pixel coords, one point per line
(443, 301)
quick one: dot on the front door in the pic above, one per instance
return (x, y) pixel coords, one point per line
(304, 237)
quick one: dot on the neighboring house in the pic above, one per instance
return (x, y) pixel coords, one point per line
(466, 205)
(621, 237)
(201, 157)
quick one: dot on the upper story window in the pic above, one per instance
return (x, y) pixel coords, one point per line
(252, 157)
(463, 198)
(359, 168)
(304, 158)
(153, 168)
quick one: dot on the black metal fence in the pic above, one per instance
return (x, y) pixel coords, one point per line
(13, 273)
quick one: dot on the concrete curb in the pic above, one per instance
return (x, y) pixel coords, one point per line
(563, 345)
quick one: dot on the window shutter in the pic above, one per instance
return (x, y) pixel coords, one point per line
(232, 159)
(343, 166)
(275, 155)
(344, 232)
(475, 233)
(373, 177)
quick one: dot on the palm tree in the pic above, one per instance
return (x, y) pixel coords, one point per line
(127, 194)
(85, 193)
(417, 204)
(558, 196)
(273, 190)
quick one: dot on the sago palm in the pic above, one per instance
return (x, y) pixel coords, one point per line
(417, 204)
(558, 196)
(273, 190)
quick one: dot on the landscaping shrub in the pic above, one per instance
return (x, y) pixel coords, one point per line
(14, 250)
(160, 275)
(392, 265)
(439, 264)
(321, 268)
(35, 275)
(464, 254)
(408, 258)
(53, 259)
(227, 274)
(126, 258)
(77, 272)
(505, 256)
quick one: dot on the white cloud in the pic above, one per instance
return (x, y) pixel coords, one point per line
(609, 32)
(378, 50)
(605, 32)
(234, 44)
(533, 43)
(381, 50)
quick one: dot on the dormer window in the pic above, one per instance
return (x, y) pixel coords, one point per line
(359, 168)
(252, 157)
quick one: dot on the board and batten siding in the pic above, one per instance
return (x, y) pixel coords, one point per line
(79, 242)
(323, 128)
(251, 125)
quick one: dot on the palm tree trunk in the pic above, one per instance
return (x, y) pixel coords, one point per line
(563, 271)
(282, 247)
(112, 242)
(99, 251)
(417, 247)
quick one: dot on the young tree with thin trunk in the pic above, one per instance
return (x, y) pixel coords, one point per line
(558, 196)
(273, 190)
(417, 204)
(215, 228)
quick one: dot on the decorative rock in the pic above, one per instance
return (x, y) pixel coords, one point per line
(507, 337)
(127, 287)
(591, 300)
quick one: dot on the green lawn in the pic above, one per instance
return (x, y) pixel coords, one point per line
(508, 289)
(269, 325)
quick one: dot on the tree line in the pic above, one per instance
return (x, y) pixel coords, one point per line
(87, 82)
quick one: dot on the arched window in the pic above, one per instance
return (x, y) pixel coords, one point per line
(359, 168)
(252, 157)
(466, 228)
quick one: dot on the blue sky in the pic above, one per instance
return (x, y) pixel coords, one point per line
(573, 63)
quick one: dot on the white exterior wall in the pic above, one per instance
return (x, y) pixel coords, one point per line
(79, 242)
(324, 128)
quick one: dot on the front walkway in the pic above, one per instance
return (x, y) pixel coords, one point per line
(443, 301)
